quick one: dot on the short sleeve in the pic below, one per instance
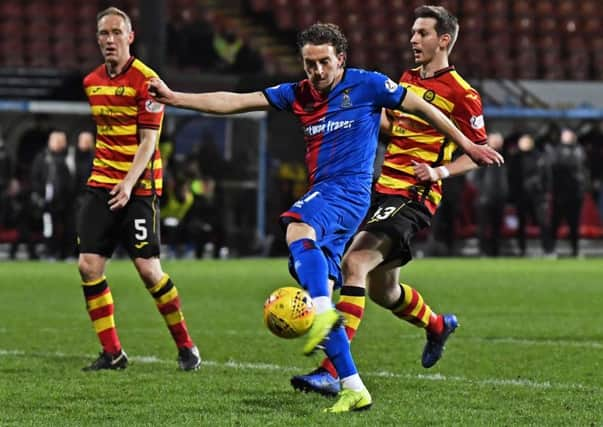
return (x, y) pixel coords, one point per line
(150, 112)
(281, 96)
(388, 93)
(468, 114)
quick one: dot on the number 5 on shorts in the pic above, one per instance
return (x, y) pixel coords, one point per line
(140, 225)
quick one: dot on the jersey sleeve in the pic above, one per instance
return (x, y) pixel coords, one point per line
(281, 96)
(150, 112)
(469, 116)
(388, 93)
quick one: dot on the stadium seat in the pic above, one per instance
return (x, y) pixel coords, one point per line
(260, 5)
(472, 8)
(11, 10)
(546, 25)
(284, 19)
(545, 9)
(397, 7)
(592, 26)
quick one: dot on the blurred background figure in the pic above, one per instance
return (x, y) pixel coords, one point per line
(188, 220)
(570, 177)
(493, 189)
(442, 239)
(16, 213)
(52, 192)
(84, 154)
(530, 187)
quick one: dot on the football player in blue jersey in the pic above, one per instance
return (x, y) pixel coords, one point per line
(339, 110)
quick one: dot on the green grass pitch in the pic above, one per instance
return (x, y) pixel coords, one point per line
(528, 351)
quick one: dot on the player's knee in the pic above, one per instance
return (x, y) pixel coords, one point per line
(89, 268)
(355, 267)
(149, 271)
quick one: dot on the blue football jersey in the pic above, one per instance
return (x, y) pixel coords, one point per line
(340, 128)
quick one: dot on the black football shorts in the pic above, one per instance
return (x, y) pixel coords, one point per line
(400, 219)
(135, 227)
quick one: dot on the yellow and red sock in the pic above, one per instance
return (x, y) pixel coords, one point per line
(99, 303)
(168, 303)
(351, 306)
(412, 308)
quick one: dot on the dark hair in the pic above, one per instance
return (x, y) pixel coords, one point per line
(323, 33)
(446, 22)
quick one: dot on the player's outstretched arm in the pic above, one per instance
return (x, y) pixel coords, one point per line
(209, 102)
(459, 166)
(480, 154)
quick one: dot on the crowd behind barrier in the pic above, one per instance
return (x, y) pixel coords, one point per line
(549, 189)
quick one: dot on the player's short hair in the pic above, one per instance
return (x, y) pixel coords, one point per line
(446, 22)
(323, 33)
(115, 11)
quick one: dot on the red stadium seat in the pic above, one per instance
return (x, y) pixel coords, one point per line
(546, 25)
(11, 10)
(472, 8)
(284, 19)
(526, 65)
(260, 5)
(496, 8)
(544, 9)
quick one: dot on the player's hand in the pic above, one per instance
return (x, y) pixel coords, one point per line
(484, 155)
(160, 92)
(121, 196)
(425, 172)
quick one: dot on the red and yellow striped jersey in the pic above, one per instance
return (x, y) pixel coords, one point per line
(120, 106)
(414, 139)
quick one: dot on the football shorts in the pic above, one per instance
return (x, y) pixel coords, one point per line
(135, 227)
(400, 219)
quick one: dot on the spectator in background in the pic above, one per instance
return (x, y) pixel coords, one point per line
(52, 191)
(5, 166)
(190, 40)
(31, 142)
(16, 213)
(84, 154)
(189, 226)
(570, 178)
(493, 189)
(591, 138)
(443, 236)
(235, 53)
(530, 186)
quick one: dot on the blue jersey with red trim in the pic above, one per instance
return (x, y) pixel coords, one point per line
(340, 128)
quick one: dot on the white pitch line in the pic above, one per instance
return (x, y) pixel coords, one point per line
(233, 364)
(486, 340)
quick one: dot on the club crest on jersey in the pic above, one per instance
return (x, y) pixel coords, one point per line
(120, 91)
(153, 107)
(429, 95)
(346, 102)
(391, 85)
(477, 122)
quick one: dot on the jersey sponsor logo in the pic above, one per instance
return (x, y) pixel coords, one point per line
(153, 107)
(330, 126)
(306, 199)
(141, 245)
(346, 102)
(391, 85)
(120, 91)
(429, 95)
(477, 122)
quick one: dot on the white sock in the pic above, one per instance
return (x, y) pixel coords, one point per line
(353, 382)
(322, 304)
